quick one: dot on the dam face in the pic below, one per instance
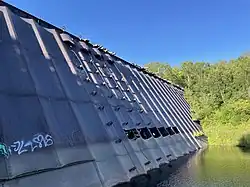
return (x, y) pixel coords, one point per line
(74, 114)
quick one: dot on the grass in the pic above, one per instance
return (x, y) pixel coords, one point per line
(229, 125)
(228, 135)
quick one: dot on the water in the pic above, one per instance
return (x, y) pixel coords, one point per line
(216, 166)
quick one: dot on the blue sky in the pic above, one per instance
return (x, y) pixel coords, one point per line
(143, 31)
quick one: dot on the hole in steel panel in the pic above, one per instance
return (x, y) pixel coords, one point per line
(163, 131)
(145, 134)
(154, 131)
(170, 131)
(176, 130)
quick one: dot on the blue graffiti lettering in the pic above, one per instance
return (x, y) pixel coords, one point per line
(20, 147)
(4, 150)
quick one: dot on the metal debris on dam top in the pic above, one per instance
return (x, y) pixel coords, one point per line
(77, 114)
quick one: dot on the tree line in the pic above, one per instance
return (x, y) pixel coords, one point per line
(219, 95)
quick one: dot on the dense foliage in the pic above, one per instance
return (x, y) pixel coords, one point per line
(219, 95)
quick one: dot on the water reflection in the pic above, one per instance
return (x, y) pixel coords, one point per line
(216, 166)
(245, 150)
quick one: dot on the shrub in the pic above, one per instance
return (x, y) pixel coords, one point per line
(245, 141)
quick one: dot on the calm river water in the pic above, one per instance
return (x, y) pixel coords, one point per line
(216, 166)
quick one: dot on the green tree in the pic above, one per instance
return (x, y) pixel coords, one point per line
(218, 93)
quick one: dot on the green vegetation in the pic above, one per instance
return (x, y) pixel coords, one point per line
(245, 141)
(219, 95)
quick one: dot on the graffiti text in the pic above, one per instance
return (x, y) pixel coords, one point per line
(19, 147)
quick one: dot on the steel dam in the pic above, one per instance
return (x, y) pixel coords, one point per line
(74, 114)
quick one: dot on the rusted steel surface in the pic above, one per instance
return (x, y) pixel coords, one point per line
(76, 114)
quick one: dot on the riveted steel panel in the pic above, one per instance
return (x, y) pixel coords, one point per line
(43, 74)
(111, 171)
(78, 175)
(24, 129)
(72, 110)
(14, 75)
(68, 137)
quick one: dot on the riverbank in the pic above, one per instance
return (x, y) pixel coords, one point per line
(229, 124)
(227, 135)
(245, 141)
